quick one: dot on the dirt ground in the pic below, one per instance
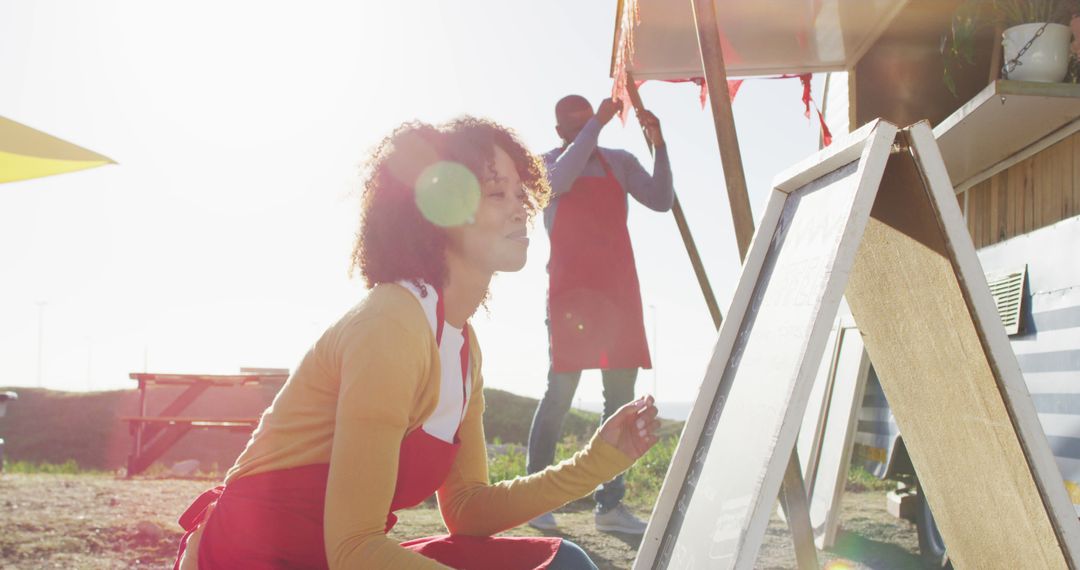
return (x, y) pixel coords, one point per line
(99, 522)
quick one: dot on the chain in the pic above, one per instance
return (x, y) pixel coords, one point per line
(1014, 62)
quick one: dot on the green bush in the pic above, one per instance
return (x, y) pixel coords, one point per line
(504, 466)
(69, 467)
(643, 480)
(859, 480)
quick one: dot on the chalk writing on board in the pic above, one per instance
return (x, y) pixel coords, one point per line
(728, 526)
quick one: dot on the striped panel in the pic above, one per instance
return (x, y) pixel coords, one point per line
(1049, 358)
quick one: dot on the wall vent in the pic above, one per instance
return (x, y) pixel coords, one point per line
(1008, 291)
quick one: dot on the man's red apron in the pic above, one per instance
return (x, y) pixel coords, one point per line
(594, 301)
(274, 519)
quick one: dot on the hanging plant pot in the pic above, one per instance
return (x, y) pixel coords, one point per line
(1046, 60)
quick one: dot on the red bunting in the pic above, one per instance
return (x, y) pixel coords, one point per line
(733, 89)
(630, 18)
(807, 99)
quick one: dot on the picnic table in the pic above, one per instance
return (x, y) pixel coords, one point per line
(5, 397)
(153, 435)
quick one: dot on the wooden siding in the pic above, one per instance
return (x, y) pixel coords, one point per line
(1026, 196)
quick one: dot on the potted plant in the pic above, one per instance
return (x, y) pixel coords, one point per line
(1035, 38)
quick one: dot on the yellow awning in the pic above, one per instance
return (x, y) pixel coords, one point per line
(27, 153)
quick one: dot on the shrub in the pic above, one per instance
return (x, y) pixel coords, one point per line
(69, 467)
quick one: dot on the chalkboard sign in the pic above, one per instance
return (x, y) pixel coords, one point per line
(726, 472)
(873, 218)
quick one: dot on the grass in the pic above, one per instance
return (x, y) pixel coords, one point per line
(69, 467)
(643, 480)
(82, 447)
(860, 480)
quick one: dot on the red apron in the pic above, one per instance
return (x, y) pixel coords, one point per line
(274, 519)
(594, 301)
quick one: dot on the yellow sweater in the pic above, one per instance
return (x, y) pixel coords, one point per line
(370, 380)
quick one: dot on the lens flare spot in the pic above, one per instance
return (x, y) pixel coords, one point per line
(447, 194)
(839, 565)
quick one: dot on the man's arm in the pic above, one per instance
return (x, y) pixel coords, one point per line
(564, 167)
(655, 191)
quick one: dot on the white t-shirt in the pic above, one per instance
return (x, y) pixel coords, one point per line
(450, 410)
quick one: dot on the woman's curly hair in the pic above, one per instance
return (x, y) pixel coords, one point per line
(395, 241)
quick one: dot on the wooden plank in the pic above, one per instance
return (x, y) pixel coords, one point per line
(974, 211)
(1028, 168)
(178, 405)
(1051, 191)
(154, 449)
(1061, 171)
(1040, 187)
(989, 188)
(971, 214)
(1075, 210)
(795, 505)
(710, 514)
(216, 379)
(1006, 120)
(1013, 202)
(1066, 173)
(999, 184)
(938, 351)
(980, 235)
(665, 46)
(182, 420)
(712, 60)
(985, 229)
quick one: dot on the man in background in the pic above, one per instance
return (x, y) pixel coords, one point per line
(594, 301)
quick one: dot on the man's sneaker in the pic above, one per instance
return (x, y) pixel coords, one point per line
(545, 521)
(620, 519)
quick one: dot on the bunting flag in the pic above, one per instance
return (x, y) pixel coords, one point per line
(630, 18)
(26, 153)
(733, 89)
(808, 99)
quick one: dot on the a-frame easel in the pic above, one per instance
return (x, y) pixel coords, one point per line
(872, 216)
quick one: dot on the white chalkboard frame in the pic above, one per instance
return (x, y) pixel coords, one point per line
(847, 382)
(870, 145)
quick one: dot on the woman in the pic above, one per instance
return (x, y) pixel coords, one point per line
(386, 408)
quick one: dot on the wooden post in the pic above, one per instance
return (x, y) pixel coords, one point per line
(680, 220)
(793, 490)
(712, 61)
(797, 510)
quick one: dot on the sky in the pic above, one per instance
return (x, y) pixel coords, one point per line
(221, 239)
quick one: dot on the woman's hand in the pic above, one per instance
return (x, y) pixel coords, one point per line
(632, 429)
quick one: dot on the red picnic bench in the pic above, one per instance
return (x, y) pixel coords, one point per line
(153, 435)
(5, 397)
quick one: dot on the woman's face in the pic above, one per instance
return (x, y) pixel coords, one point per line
(496, 240)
